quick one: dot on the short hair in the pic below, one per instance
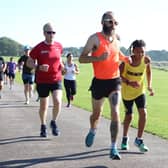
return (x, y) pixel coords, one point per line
(69, 54)
(46, 26)
(107, 14)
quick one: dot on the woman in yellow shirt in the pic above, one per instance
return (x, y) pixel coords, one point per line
(133, 90)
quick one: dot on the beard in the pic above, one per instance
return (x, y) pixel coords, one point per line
(107, 30)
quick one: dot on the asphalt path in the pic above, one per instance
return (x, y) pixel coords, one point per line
(21, 146)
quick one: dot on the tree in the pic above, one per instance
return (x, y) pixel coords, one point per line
(9, 47)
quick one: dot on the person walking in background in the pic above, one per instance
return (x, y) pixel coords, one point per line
(49, 68)
(6, 78)
(28, 74)
(133, 90)
(2, 69)
(103, 52)
(70, 71)
(11, 69)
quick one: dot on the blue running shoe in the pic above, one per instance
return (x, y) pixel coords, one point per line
(54, 128)
(124, 144)
(140, 144)
(114, 154)
(43, 131)
(89, 139)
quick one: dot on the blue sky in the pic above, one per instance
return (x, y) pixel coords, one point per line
(76, 20)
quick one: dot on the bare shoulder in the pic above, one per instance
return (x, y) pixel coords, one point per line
(147, 59)
(92, 43)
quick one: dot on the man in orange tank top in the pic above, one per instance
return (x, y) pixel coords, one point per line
(103, 52)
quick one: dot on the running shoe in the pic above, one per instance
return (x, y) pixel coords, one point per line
(89, 139)
(114, 154)
(54, 128)
(140, 144)
(27, 102)
(43, 131)
(124, 144)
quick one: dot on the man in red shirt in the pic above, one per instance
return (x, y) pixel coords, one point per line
(45, 57)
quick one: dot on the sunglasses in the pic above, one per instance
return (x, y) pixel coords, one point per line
(111, 21)
(50, 32)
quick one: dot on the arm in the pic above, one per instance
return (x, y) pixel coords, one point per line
(76, 69)
(124, 58)
(31, 64)
(91, 45)
(125, 80)
(149, 75)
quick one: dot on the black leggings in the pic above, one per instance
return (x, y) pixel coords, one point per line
(70, 88)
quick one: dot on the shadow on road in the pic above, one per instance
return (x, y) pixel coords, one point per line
(75, 156)
(22, 139)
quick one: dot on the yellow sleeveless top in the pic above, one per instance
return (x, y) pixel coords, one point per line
(133, 73)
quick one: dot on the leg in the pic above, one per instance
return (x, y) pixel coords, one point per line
(114, 100)
(57, 101)
(127, 120)
(26, 92)
(73, 89)
(141, 103)
(1, 86)
(128, 116)
(141, 122)
(141, 106)
(97, 106)
(43, 115)
(43, 109)
(68, 91)
(30, 90)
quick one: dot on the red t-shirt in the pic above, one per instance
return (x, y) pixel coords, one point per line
(48, 54)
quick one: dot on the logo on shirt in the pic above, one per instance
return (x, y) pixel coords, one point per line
(134, 73)
(44, 51)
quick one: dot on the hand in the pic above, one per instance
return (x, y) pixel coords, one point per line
(151, 91)
(103, 57)
(134, 84)
(129, 60)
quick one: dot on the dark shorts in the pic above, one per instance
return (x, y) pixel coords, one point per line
(44, 89)
(140, 102)
(1, 76)
(11, 75)
(28, 78)
(103, 88)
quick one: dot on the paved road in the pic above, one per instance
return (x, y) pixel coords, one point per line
(21, 146)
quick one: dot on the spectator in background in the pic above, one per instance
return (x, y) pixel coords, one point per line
(6, 76)
(2, 69)
(11, 69)
(70, 71)
(49, 68)
(28, 74)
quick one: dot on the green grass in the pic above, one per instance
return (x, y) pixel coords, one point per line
(157, 121)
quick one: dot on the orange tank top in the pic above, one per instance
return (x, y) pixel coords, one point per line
(109, 68)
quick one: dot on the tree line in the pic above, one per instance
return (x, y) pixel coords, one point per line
(9, 47)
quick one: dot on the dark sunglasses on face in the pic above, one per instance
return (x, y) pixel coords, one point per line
(111, 21)
(50, 32)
